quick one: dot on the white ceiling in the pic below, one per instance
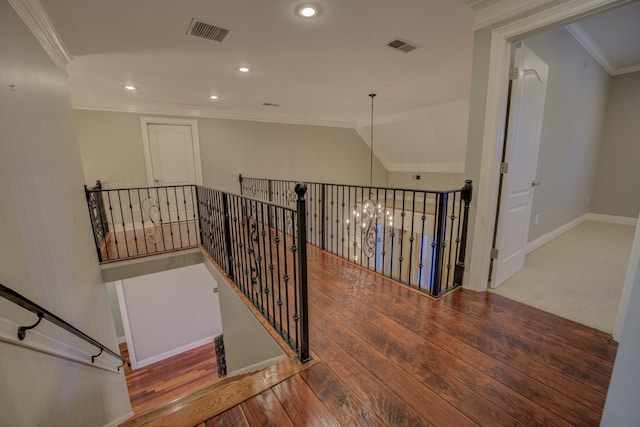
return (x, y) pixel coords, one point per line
(320, 71)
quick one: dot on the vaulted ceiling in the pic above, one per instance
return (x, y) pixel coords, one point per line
(315, 71)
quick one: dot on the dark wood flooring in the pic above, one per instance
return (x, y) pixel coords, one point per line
(390, 356)
(171, 378)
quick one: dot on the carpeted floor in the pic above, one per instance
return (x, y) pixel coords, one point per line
(578, 276)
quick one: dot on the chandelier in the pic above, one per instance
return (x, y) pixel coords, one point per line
(369, 214)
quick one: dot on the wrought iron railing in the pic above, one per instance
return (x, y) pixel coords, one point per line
(257, 244)
(132, 222)
(262, 248)
(416, 237)
(43, 313)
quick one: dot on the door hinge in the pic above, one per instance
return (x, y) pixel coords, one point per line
(494, 253)
(504, 167)
(513, 73)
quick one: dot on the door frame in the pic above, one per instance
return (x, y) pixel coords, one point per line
(195, 139)
(502, 37)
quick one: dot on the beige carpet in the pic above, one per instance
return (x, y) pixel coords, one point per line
(579, 275)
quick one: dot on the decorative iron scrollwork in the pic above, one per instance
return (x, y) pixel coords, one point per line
(151, 212)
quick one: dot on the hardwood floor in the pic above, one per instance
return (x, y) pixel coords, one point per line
(171, 378)
(391, 356)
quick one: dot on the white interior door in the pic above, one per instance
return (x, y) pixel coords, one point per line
(522, 144)
(172, 154)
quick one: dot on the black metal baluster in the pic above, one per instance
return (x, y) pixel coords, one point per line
(286, 276)
(261, 261)
(194, 207)
(124, 229)
(393, 236)
(412, 238)
(467, 192)
(401, 239)
(228, 265)
(175, 196)
(452, 218)
(279, 275)
(133, 222)
(440, 242)
(302, 260)
(384, 231)
(422, 243)
(271, 266)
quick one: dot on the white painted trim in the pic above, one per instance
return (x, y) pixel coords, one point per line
(626, 70)
(195, 137)
(583, 38)
(611, 219)
(476, 5)
(38, 341)
(258, 366)
(178, 350)
(486, 195)
(633, 270)
(427, 167)
(37, 20)
(552, 235)
(118, 421)
(497, 11)
(125, 324)
(188, 111)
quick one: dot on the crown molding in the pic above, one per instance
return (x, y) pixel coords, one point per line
(427, 167)
(587, 42)
(188, 111)
(578, 33)
(37, 20)
(490, 12)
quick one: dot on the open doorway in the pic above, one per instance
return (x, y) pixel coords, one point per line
(586, 127)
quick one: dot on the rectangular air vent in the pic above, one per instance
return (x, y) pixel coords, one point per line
(402, 45)
(206, 31)
(269, 104)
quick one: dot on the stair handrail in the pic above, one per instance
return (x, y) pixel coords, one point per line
(42, 313)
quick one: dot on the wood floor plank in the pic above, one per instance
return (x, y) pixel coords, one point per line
(349, 407)
(302, 405)
(233, 417)
(264, 410)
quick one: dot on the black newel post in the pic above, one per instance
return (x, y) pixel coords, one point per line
(301, 189)
(440, 242)
(240, 180)
(227, 234)
(467, 193)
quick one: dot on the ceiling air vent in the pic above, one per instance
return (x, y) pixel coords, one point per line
(269, 104)
(402, 45)
(206, 31)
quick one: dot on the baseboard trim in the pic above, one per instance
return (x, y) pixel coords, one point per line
(120, 420)
(612, 219)
(552, 235)
(182, 349)
(258, 366)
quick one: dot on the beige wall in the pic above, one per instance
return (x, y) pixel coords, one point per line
(427, 181)
(617, 188)
(574, 111)
(111, 149)
(46, 249)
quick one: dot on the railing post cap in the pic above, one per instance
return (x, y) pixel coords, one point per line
(301, 189)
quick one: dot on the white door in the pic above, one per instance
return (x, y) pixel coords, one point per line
(172, 154)
(521, 153)
(173, 163)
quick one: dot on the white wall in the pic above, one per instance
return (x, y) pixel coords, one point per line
(170, 312)
(427, 181)
(248, 345)
(46, 249)
(621, 407)
(574, 112)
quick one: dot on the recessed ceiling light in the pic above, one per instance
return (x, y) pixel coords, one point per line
(243, 69)
(214, 97)
(130, 87)
(307, 10)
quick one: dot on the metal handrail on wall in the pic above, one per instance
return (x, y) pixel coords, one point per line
(42, 313)
(416, 237)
